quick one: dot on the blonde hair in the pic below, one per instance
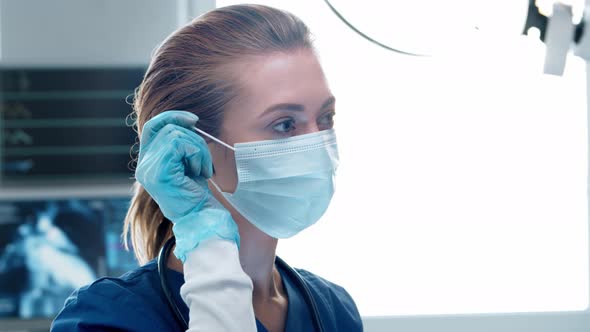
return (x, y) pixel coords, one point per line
(188, 71)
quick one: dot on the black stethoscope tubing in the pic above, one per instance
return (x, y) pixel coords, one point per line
(165, 252)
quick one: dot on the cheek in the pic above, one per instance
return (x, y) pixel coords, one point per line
(225, 168)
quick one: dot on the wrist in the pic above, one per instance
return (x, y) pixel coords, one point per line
(194, 228)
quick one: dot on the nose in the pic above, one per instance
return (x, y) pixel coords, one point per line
(310, 127)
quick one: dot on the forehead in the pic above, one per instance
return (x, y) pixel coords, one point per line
(282, 77)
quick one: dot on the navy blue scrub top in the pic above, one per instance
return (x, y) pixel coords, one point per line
(135, 302)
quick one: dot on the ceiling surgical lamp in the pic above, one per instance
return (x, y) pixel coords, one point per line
(557, 30)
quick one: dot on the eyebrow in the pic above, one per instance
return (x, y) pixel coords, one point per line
(296, 107)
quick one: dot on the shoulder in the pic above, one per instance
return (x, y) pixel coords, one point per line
(129, 302)
(342, 306)
(132, 286)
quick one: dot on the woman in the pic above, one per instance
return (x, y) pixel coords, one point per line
(235, 118)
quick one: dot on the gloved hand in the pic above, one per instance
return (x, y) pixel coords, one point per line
(174, 163)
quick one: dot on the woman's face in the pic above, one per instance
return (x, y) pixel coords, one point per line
(281, 95)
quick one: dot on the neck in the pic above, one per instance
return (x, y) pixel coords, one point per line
(257, 257)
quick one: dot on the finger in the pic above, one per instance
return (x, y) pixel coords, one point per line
(189, 148)
(193, 159)
(198, 187)
(201, 158)
(153, 126)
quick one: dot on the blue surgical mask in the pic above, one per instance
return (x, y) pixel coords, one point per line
(284, 185)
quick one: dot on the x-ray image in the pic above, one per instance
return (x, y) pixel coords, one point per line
(118, 259)
(47, 250)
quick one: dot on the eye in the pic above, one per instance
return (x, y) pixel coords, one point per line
(284, 126)
(326, 121)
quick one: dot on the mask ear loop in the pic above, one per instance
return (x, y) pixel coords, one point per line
(220, 142)
(215, 139)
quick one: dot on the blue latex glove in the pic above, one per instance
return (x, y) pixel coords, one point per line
(173, 167)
